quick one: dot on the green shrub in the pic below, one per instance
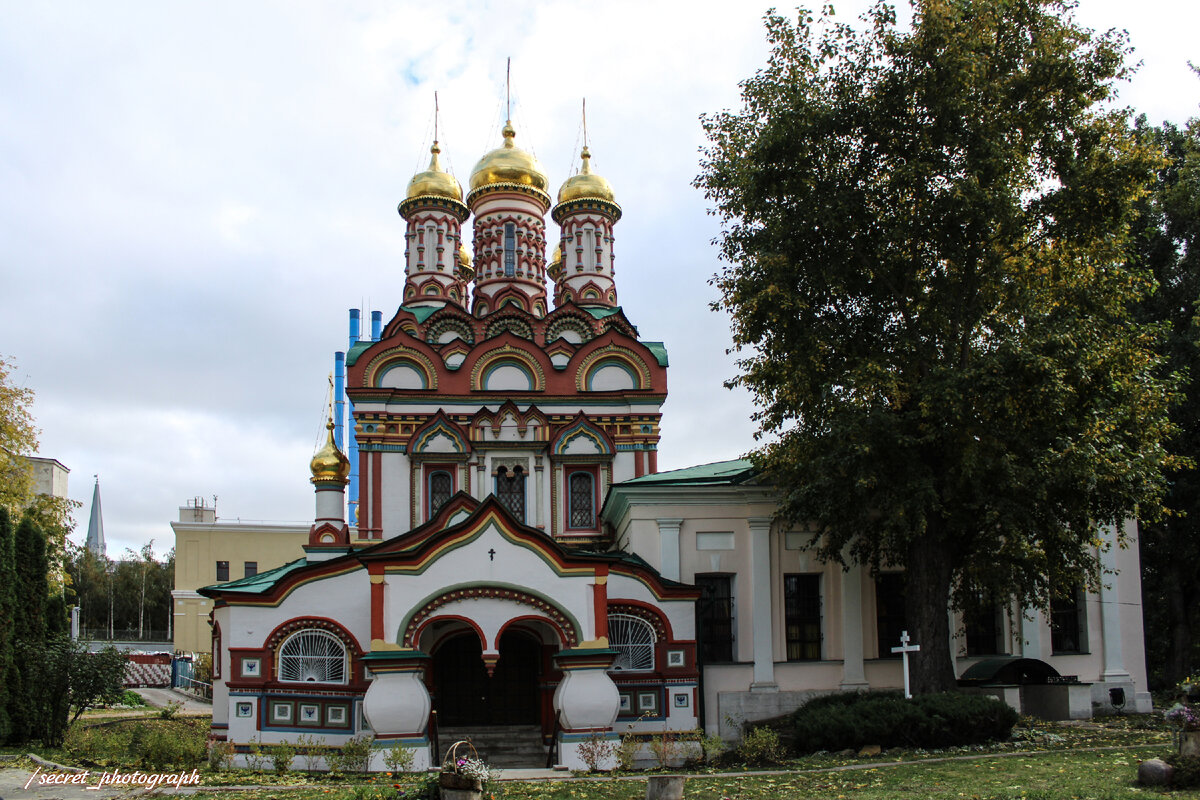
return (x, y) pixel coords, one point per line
(849, 721)
(1187, 771)
(139, 743)
(350, 757)
(132, 698)
(761, 747)
(399, 758)
(220, 754)
(281, 756)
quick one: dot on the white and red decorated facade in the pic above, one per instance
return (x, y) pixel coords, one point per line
(475, 581)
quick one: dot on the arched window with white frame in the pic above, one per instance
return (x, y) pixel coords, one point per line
(634, 639)
(313, 656)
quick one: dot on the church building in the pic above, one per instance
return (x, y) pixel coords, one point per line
(516, 559)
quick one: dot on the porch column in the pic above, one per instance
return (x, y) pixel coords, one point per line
(1110, 610)
(668, 542)
(760, 605)
(854, 677)
(397, 705)
(586, 703)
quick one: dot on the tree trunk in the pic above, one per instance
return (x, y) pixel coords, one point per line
(1178, 659)
(927, 603)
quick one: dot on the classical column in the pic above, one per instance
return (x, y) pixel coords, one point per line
(668, 541)
(1031, 633)
(854, 677)
(1110, 610)
(762, 618)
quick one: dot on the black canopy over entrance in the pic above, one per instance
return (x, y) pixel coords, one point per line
(463, 694)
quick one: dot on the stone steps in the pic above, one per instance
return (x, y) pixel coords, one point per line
(502, 746)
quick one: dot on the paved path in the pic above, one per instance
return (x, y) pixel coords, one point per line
(160, 697)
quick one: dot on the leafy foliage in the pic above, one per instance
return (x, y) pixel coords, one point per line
(1168, 244)
(761, 747)
(18, 438)
(144, 743)
(947, 719)
(926, 236)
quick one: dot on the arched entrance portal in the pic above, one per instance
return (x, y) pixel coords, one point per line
(464, 694)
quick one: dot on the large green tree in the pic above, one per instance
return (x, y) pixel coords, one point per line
(925, 233)
(1168, 243)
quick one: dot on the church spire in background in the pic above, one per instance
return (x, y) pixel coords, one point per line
(95, 536)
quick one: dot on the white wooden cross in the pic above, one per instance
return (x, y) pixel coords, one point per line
(904, 649)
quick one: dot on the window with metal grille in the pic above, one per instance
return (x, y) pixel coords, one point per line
(510, 491)
(582, 494)
(222, 570)
(633, 639)
(715, 616)
(250, 568)
(441, 486)
(510, 249)
(313, 656)
(890, 618)
(802, 616)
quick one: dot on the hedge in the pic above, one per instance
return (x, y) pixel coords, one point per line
(850, 721)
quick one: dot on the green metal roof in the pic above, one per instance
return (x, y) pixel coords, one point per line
(422, 313)
(261, 583)
(660, 352)
(356, 350)
(717, 473)
(600, 312)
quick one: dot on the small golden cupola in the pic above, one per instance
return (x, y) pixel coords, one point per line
(433, 212)
(586, 212)
(508, 165)
(586, 184)
(464, 264)
(434, 181)
(330, 463)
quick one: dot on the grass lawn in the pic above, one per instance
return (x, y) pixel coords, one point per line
(1063, 775)
(1042, 761)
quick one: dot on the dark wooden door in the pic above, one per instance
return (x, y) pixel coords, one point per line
(465, 695)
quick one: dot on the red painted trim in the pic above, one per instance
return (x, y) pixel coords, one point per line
(638, 469)
(472, 624)
(376, 605)
(653, 462)
(600, 603)
(650, 609)
(376, 496)
(562, 639)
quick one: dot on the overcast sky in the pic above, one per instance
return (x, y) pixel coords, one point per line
(192, 195)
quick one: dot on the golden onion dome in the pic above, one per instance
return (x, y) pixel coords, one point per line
(586, 184)
(556, 263)
(465, 270)
(434, 182)
(509, 164)
(330, 463)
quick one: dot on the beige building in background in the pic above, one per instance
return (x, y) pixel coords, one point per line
(208, 552)
(49, 476)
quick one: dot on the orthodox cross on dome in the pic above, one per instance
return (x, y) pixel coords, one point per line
(904, 649)
(508, 91)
